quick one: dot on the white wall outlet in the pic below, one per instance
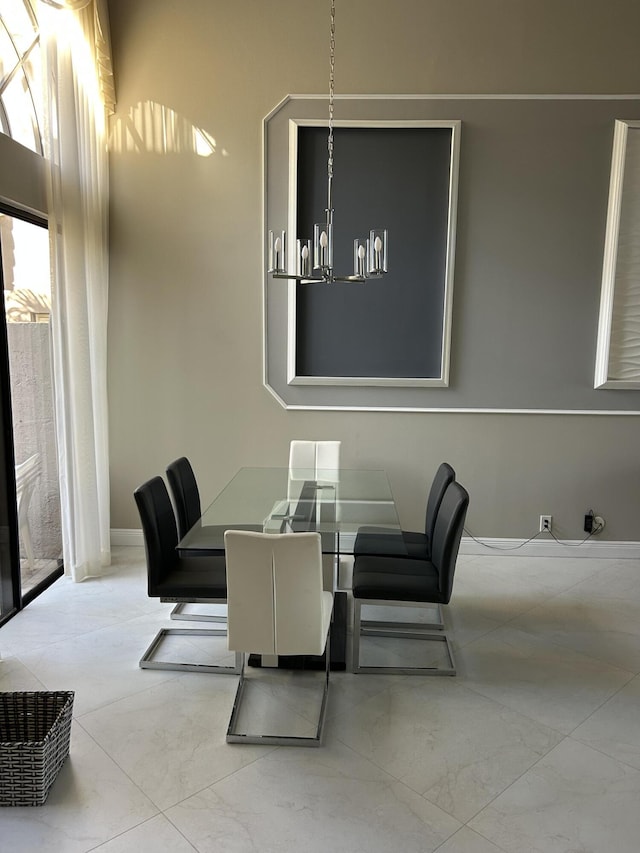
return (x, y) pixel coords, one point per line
(545, 523)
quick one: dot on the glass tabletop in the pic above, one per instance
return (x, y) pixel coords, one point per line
(282, 500)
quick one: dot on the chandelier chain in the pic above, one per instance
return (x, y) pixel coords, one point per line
(369, 254)
(332, 64)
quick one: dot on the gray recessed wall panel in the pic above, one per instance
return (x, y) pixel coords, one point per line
(532, 204)
(397, 178)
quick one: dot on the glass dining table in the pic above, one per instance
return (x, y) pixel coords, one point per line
(336, 504)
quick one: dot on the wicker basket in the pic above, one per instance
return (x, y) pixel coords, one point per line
(35, 729)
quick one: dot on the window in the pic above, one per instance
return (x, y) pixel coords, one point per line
(20, 74)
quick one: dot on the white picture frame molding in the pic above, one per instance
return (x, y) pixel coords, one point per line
(604, 366)
(293, 378)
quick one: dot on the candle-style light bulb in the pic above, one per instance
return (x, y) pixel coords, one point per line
(377, 252)
(359, 256)
(276, 251)
(322, 246)
(303, 256)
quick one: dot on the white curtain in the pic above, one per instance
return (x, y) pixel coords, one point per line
(79, 90)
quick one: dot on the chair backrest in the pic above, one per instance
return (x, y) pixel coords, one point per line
(186, 495)
(447, 534)
(318, 456)
(443, 477)
(320, 459)
(159, 529)
(274, 593)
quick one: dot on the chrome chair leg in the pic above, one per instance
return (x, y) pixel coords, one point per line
(369, 625)
(398, 631)
(233, 736)
(150, 661)
(178, 613)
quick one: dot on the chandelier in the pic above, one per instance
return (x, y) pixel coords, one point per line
(314, 262)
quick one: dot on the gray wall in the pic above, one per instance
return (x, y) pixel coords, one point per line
(185, 325)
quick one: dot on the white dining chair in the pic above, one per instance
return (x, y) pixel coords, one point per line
(276, 606)
(320, 457)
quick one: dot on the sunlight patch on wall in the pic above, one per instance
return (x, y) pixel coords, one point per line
(155, 129)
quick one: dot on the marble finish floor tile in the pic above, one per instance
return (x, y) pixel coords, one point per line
(313, 800)
(103, 666)
(501, 588)
(170, 739)
(535, 744)
(347, 691)
(553, 685)
(90, 802)
(603, 626)
(466, 840)
(615, 727)
(14, 676)
(157, 835)
(574, 799)
(453, 746)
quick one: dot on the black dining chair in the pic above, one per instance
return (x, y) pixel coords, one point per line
(186, 500)
(417, 545)
(413, 545)
(186, 495)
(173, 578)
(400, 582)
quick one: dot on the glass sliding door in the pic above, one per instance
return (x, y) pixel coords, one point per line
(10, 598)
(24, 245)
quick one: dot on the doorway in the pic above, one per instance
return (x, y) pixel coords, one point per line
(28, 405)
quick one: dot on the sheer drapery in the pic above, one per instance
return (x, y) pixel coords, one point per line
(78, 83)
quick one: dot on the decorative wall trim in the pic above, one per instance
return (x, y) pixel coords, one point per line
(449, 411)
(618, 348)
(441, 379)
(511, 123)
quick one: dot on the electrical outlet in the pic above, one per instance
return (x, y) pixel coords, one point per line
(598, 524)
(545, 523)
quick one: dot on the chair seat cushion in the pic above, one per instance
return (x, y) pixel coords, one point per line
(195, 577)
(382, 541)
(396, 579)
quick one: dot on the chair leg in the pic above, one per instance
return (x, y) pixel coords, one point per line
(233, 736)
(369, 626)
(149, 661)
(179, 614)
(398, 631)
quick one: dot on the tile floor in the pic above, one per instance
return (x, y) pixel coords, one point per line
(534, 746)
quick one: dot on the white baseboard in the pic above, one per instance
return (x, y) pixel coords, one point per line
(474, 547)
(550, 548)
(122, 537)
